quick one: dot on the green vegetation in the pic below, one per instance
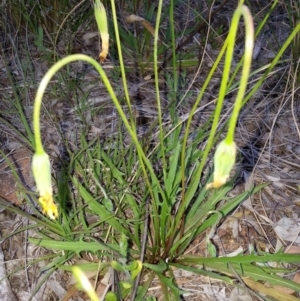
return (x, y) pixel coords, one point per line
(139, 203)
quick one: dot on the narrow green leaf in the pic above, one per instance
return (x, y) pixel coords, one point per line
(123, 245)
(86, 267)
(202, 271)
(117, 266)
(142, 290)
(212, 250)
(117, 174)
(108, 204)
(173, 171)
(57, 262)
(254, 272)
(242, 259)
(98, 208)
(73, 246)
(195, 218)
(160, 267)
(224, 210)
(169, 283)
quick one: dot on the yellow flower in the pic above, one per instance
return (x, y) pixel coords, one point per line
(224, 160)
(49, 208)
(42, 175)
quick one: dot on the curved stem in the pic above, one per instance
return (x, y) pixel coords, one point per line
(229, 45)
(249, 44)
(40, 93)
(121, 61)
(155, 66)
(36, 119)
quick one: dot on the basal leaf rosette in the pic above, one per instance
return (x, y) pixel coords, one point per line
(42, 175)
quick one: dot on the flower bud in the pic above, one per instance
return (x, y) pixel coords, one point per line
(42, 175)
(224, 160)
(101, 19)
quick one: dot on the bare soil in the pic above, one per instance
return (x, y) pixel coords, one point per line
(267, 137)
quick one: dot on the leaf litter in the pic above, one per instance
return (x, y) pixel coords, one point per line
(267, 138)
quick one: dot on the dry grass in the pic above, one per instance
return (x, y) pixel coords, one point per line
(267, 137)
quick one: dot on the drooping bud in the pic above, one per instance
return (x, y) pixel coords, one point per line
(42, 175)
(224, 160)
(101, 19)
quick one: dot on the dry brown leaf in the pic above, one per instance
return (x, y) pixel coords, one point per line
(284, 289)
(293, 250)
(134, 18)
(270, 291)
(145, 23)
(87, 38)
(101, 289)
(296, 278)
(72, 292)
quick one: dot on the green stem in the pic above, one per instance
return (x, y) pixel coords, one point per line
(174, 63)
(249, 44)
(122, 67)
(229, 44)
(186, 198)
(40, 93)
(132, 129)
(155, 66)
(36, 112)
(257, 32)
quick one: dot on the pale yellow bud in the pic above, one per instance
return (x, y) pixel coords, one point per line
(101, 19)
(42, 175)
(224, 160)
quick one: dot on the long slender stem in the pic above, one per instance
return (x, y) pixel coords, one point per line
(174, 63)
(155, 66)
(39, 96)
(249, 44)
(36, 112)
(229, 44)
(122, 67)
